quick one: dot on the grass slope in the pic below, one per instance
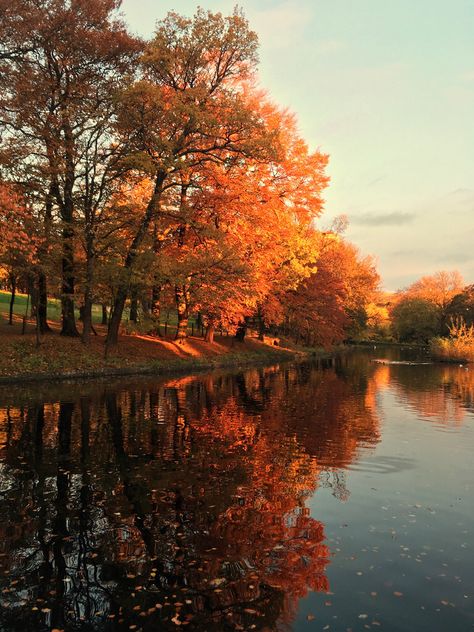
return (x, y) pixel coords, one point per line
(65, 357)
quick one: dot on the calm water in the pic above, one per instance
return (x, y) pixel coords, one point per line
(299, 497)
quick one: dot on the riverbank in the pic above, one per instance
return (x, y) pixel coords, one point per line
(364, 344)
(65, 358)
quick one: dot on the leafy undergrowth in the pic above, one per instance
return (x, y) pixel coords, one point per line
(57, 356)
(459, 347)
(452, 350)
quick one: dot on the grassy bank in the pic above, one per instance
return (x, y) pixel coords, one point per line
(58, 357)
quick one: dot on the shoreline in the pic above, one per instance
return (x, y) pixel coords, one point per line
(60, 359)
(163, 368)
(447, 360)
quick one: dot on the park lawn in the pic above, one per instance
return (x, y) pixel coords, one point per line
(21, 300)
(54, 307)
(54, 310)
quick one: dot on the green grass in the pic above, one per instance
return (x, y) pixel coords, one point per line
(19, 307)
(54, 313)
(54, 307)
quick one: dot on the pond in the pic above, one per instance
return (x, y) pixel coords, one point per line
(335, 495)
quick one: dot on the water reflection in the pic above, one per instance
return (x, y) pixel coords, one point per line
(442, 393)
(185, 502)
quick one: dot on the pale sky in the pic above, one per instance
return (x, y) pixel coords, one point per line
(386, 87)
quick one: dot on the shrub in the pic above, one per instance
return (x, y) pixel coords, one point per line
(459, 347)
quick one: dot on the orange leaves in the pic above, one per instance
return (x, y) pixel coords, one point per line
(264, 209)
(17, 239)
(235, 225)
(323, 306)
(438, 288)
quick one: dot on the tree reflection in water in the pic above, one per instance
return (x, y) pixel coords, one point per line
(180, 502)
(441, 393)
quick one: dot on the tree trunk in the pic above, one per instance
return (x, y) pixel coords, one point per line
(37, 330)
(12, 299)
(210, 329)
(67, 296)
(87, 317)
(134, 307)
(25, 315)
(145, 303)
(181, 293)
(261, 324)
(42, 304)
(33, 292)
(183, 312)
(105, 316)
(156, 307)
(241, 330)
(122, 292)
(87, 327)
(116, 317)
(66, 205)
(42, 316)
(157, 287)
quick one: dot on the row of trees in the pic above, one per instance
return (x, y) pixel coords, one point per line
(149, 172)
(429, 306)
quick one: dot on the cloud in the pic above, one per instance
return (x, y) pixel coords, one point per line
(395, 218)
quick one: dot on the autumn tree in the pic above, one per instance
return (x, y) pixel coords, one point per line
(414, 319)
(378, 318)
(244, 230)
(186, 110)
(56, 111)
(271, 206)
(438, 289)
(330, 305)
(462, 306)
(17, 19)
(314, 311)
(17, 238)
